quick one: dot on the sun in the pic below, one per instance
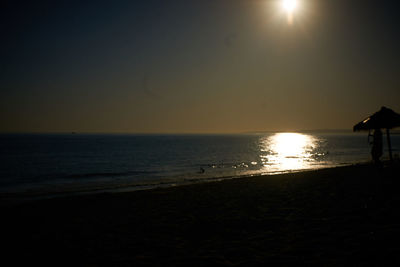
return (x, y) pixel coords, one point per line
(289, 5)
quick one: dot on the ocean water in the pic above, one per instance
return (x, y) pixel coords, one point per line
(70, 163)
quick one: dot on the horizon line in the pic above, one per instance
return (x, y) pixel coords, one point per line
(178, 133)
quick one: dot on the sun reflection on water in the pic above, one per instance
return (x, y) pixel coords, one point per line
(287, 151)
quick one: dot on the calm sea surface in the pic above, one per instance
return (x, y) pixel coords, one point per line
(59, 163)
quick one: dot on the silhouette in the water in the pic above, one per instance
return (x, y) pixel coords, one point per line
(201, 170)
(377, 150)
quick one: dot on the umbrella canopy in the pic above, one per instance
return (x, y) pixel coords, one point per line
(384, 118)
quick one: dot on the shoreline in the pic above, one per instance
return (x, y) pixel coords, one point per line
(330, 217)
(32, 194)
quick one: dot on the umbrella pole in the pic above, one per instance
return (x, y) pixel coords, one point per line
(389, 144)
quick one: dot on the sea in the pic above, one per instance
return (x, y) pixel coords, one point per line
(74, 163)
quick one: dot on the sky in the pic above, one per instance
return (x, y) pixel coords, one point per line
(206, 66)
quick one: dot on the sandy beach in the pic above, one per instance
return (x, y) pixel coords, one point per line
(330, 217)
(200, 133)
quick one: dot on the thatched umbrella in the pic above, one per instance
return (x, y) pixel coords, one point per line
(384, 118)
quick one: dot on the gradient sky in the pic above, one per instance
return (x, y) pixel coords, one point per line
(206, 66)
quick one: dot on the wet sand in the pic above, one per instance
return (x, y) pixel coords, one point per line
(331, 217)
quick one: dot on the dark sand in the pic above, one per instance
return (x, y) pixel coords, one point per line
(332, 217)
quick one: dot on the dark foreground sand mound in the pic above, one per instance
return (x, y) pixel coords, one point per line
(331, 217)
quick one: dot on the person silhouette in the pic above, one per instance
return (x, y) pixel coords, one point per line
(377, 150)
(201, 170)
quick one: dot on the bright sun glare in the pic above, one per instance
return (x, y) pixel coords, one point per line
(289, 5)
(287, 151)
